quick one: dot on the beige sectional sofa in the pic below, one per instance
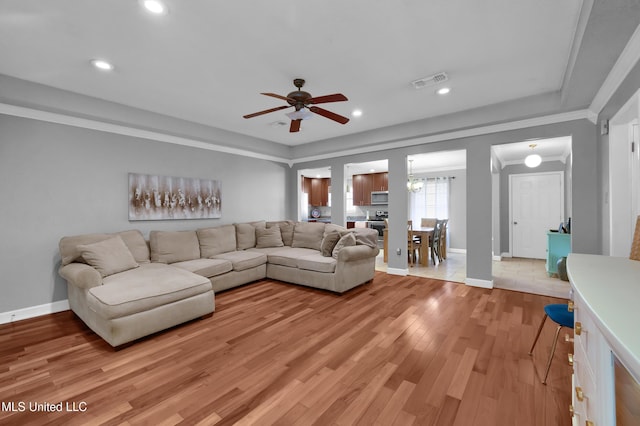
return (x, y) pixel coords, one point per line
(124, 287)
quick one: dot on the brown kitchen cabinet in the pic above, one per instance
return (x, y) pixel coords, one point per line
(365, 183)
(318, 190)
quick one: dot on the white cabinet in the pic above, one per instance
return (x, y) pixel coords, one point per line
(606, 291)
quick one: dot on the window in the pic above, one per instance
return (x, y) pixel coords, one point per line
(431, 201)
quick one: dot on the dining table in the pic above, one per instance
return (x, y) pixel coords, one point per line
(424, 233)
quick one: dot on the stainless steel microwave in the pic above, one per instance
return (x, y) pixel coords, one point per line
(379, 198)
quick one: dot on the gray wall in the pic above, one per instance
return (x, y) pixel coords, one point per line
(629, 86)
(585, 202)
(57, 180)
(518, 169)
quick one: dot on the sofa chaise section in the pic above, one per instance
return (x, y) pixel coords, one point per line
(141, 299)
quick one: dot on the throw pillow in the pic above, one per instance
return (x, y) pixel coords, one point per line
(109, 256)
(347, 240)
(269, 237)
(329, 242)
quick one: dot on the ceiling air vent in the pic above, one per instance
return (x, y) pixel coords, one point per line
(430, 81)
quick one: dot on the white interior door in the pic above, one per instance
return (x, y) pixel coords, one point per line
(537, 205)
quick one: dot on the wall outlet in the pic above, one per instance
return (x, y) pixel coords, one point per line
(398, 251)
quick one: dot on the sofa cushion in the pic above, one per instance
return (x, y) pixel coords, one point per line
(348, 239)
(329, 227)
(269, 237)
(205, 267)
(246, 234)
(144, 288)
(68, 246)
(242, 260)
(137, 245)
(216, 240)
(329, 242)
(289, 256)
(317, 262)
(109, 256)
(174, 246)
(308, 235)
(286, 230)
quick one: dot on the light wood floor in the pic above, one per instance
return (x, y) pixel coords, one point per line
(396, 351)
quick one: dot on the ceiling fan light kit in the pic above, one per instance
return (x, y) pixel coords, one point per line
(304, 104)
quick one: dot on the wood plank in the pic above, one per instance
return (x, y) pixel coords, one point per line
(400, 350)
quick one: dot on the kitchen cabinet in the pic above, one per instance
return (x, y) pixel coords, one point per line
(365, 183)
(380, 181)
(606, 358)
(318, 190)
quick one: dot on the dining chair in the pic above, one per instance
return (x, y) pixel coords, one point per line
(434, 242)
(428, 222)
(635, 245)
(560, 314)
(413, 244)
(442, 247)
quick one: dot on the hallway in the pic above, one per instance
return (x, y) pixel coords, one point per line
(517, 274)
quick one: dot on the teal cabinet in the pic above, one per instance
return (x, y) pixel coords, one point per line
(558, 246)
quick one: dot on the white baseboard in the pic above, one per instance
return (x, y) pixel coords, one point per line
(506, 254)
(474, 282)
(397, 271)
(456, 250)
(34, 311)
(497, 258)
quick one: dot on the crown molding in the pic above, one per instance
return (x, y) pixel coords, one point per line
(458, 134)
(102, 126)
(626, 61)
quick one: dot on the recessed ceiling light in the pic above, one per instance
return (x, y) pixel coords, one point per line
(154, 6)
(356, 112)
(102, 64)
(372, 170)
(443, 91)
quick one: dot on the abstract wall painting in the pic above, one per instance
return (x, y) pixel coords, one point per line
(153, 197)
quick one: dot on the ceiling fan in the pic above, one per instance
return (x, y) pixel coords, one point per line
(301, 100)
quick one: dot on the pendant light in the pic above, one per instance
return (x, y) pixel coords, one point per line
(532, 160)
(413, 185)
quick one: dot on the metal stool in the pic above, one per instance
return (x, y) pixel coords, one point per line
(560, 314)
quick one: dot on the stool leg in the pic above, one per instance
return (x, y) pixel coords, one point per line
(538, 334)
(553, 350)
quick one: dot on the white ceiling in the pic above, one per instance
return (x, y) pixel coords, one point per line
(208, 62)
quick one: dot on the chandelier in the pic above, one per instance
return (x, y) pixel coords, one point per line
(532, 160)
(413, 184)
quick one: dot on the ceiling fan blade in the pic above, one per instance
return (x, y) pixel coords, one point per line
(336, 97)
(330, 115)
(295, 126)
(266, 111)
(275, 95)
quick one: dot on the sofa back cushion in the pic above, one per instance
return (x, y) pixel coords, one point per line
(133, 239)
(308, 235)
(108, 256)
(269, 237)
(221, 239)
(246, 234)
(286, 230)
(137, 245)
(174, 246)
